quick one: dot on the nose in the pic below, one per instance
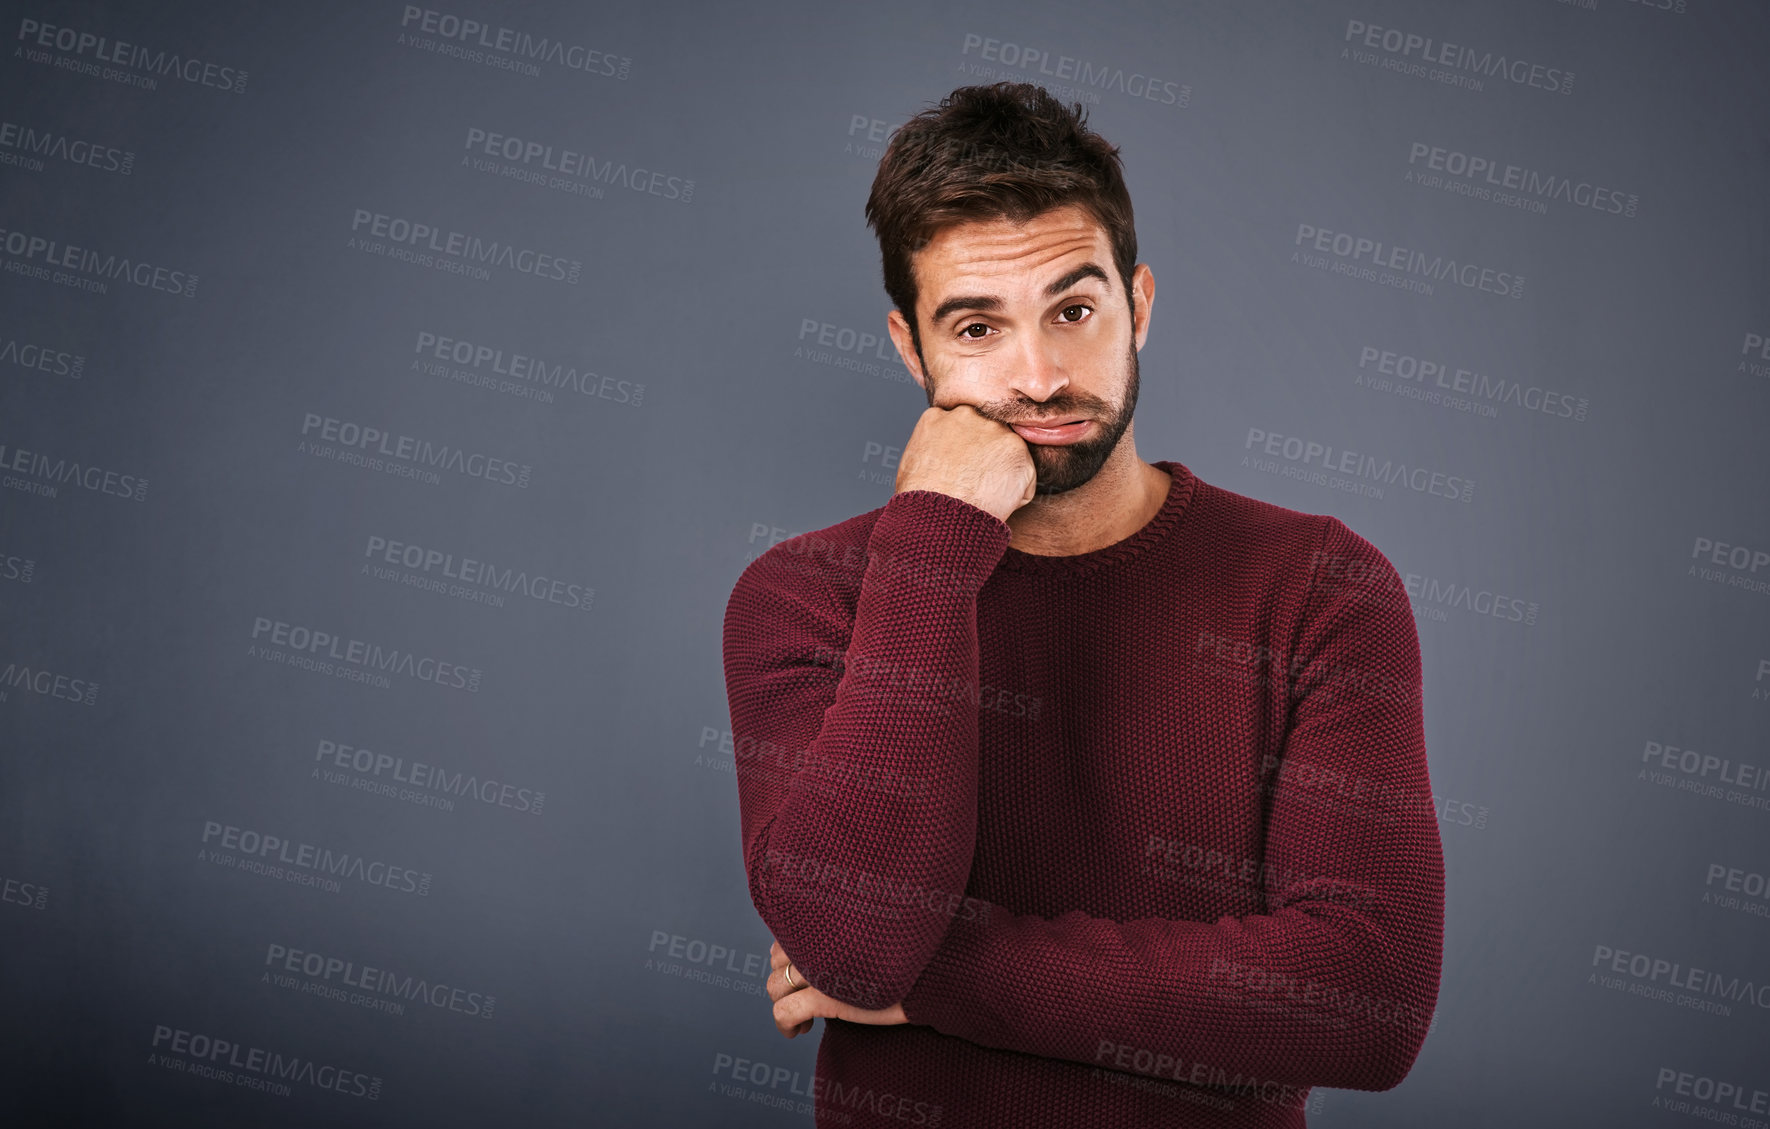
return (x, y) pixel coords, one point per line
(1038, 371)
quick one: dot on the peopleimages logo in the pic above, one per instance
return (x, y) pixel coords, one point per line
(1756, 348)
(26, 147)
(1327, 465)
(16, 568)
(578, 173)
(253, 1068)
(1435, 381)
(1674, 7)
(1721, 562)
(857, 350)
(876, 130)
(129, 63)
(1706, 775)
(245, 849)
(426, 785)
(18, 892)
(1738, 889)
(1685, 1084)
(467, 578)
(425, 245)
(502, 47)
(1374, 260)
(1427, 596)
(28, 678)
(1430, 596)
(1088, 77)
(295, 644)
(516, 373)
(364, 985)
(36, 473)
(38, 357)
(52, 260)
(1701, 989)
(715, 965)
(789, 1091)
(1518, 186)
(406, 456)
(1422, 56)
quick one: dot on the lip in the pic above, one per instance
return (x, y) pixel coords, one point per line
(1052, 435)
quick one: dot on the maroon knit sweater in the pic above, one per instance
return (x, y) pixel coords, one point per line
(1139, 836)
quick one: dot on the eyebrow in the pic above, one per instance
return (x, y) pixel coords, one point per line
(991, 303)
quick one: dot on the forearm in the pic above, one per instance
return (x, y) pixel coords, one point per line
(1325, 991)
(857, 764)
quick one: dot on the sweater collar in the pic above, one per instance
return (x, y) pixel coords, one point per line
(1154, 530)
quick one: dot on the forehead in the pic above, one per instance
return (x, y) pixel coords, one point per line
(1003, 252)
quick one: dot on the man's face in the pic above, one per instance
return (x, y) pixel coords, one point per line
(1028, 324)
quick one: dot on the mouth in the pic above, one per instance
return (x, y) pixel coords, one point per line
(1051, 433)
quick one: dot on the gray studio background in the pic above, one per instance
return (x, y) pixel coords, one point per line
(242, 243)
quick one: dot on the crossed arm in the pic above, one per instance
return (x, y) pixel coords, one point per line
(1333, 984)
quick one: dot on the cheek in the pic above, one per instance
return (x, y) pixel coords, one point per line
(1092, 363)
(970, 371)
(1086, 352)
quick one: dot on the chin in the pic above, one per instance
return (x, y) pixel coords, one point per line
(1061, 469)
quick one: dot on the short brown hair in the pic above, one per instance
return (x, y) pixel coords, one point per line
(1008, 150)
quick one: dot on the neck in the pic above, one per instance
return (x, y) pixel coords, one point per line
(1118, 501)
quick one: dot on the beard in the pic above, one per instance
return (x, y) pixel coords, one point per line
(1064, 467)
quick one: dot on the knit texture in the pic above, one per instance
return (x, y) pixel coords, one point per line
(1140, 836)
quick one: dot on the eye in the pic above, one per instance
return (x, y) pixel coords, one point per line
(1067, 310)
(966, 332)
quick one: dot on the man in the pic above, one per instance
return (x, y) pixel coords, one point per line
(1074, 789)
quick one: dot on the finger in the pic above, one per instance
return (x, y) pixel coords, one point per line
(777, 985)
(799, 1008)
(777, 956)
(780, 987)
(788, 1017)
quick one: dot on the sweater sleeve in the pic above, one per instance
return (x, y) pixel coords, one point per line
(1335, 983)
(856, 740)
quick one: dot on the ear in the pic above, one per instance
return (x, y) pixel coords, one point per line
(899, 328)
(1143, 297)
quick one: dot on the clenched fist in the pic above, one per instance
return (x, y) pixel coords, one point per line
(959, 451)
